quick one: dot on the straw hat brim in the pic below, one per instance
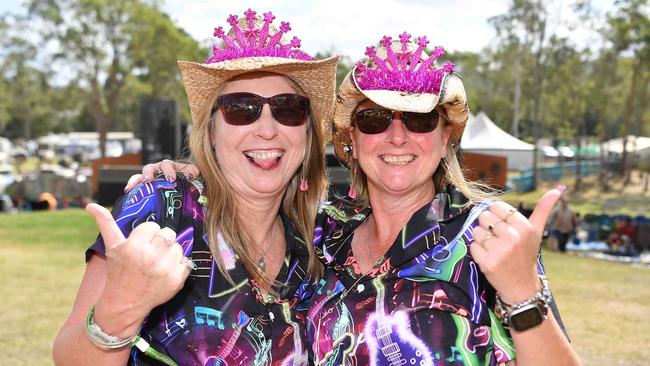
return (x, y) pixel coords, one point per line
(452, 97)
(317, 78)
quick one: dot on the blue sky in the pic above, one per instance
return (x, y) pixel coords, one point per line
(347, 27)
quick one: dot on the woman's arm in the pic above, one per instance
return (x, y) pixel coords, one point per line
(72, 346)
(137, 274)
(505, 248)
(544, 344)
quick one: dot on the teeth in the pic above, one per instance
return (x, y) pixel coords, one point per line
(263, 155)
(398, 159)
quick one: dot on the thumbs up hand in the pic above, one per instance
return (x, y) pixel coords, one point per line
(142, 271)
(507, 243)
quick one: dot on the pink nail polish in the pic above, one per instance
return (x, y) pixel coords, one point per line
(561, 188)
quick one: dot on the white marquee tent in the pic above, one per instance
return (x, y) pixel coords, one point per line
(483, 136)
(638, 146)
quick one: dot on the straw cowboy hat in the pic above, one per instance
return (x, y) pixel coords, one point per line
(254, 44)
(400, 76)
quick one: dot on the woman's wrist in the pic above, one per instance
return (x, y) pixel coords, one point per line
(105, 341)
(528, 313)
(521, 290)
(118, 320)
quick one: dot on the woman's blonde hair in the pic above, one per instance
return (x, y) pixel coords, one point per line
(448, 172)
(299, 207)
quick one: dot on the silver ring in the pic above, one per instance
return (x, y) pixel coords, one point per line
(189, 263)
(510, 212)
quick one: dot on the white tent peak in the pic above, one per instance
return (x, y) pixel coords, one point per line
(483, 136)
(481, 133)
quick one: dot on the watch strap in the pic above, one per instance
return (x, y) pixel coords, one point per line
(541, 299)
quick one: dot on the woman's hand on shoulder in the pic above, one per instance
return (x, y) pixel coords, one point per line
(168, 168)
(506, 245)
(144, 270)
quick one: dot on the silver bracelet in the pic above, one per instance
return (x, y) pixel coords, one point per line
(541, 299)
(103, 341)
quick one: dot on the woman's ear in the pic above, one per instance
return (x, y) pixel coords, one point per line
(352, 140)
(446, 132)
(212, 133)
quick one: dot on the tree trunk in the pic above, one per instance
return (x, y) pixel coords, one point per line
(27, 128)
(539, 87)
(603, 176)
(627, 116)
(103, 125)
(576, 158)
(515, 112)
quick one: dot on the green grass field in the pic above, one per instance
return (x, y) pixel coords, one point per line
(606, 306)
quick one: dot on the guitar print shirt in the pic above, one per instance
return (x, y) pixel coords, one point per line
(425, 302)
(210, 322)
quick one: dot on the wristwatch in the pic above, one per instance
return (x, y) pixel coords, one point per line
(527, 317)
(528, 313)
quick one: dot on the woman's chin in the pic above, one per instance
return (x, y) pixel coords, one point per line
(400, 186)
(268, 187)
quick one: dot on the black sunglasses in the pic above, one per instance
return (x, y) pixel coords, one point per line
(377, 120)
(241, 109)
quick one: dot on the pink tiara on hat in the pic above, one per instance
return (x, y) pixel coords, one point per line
(402, 68)
(253, 38)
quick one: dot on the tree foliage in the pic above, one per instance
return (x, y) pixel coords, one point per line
(112, 54)
(530, 80)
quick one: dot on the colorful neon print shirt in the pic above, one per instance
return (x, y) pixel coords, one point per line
(425, 302)
(210, 322)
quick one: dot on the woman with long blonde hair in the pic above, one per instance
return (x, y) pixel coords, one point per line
(208, 272)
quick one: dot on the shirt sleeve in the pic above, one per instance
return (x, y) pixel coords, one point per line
(157, 201)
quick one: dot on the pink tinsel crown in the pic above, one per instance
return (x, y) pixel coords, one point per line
(402, 68)
(255, 37)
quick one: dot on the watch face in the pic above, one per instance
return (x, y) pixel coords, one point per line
(526, 317)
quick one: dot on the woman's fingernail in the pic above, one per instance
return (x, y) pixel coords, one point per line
(145, 178)
(561, 188)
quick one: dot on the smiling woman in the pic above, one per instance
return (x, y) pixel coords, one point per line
(261, 156)
(209, 272)
(421, 266)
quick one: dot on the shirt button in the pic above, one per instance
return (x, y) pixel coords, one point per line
(271, 316)
(360, 288)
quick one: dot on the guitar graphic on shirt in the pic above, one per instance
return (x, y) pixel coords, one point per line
(443, 259)
(242, 320)
(343, 346)
(390, 340)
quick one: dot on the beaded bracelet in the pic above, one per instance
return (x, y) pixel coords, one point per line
(541, 297)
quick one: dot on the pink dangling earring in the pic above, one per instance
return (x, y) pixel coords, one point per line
(304, 186)
(352, 192)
